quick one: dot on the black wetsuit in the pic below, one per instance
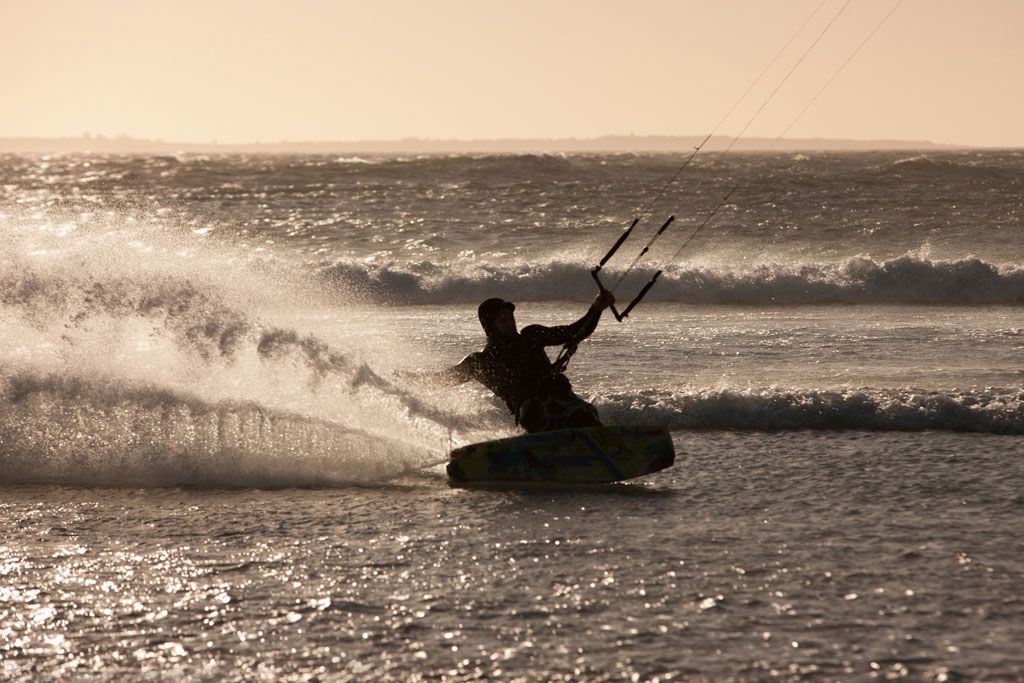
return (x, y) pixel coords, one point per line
(519, 372)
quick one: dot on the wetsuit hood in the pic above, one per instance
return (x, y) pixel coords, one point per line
(486, 312)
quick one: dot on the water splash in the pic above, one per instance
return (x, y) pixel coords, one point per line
(145, 358)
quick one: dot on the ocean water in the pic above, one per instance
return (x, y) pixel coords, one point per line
(214, 465)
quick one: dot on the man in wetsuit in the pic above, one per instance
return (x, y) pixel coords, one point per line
(516, 368)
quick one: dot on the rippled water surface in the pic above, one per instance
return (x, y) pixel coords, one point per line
(216, 461)
(820, 555)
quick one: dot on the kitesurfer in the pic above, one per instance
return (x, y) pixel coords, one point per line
(516, 368)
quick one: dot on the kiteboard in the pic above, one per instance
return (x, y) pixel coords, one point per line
(594, 455)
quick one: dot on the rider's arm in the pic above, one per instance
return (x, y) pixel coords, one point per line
(573, 333)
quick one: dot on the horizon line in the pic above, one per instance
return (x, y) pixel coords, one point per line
(608, 143)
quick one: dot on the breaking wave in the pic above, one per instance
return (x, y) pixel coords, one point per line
(989, 411)
(908, 279)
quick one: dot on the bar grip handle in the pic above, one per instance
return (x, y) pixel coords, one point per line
(600, 285)
(618, 243)
(638, 297)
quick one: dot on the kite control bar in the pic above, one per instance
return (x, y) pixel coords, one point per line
(611, 252)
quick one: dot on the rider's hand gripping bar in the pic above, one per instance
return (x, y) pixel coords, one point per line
(600, 286)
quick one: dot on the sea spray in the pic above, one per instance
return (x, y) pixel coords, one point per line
(180, 363)
(55, 430)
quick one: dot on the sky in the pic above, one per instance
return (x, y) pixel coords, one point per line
(948, 71)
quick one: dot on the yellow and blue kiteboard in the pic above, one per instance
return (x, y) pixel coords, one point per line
(595, 455)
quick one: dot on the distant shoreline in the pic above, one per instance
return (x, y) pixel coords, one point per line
(608, 144)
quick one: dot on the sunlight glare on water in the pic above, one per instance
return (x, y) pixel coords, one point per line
(217, 461)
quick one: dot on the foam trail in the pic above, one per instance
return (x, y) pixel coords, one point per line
(908, 279)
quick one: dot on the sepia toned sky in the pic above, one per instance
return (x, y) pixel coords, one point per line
(266, 70)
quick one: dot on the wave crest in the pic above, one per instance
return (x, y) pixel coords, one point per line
(987, 411)
(908, 279)
(924, 167)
